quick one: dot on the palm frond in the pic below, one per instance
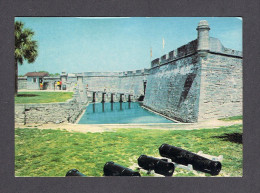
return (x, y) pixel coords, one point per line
(20, 60)
(25, 47)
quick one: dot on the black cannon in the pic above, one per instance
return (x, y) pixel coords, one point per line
(160, 166)
(113, 169)
(74, 172)
(184, 157)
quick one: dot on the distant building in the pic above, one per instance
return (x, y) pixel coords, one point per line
(34, 79)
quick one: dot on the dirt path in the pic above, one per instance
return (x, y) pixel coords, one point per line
(209, 124)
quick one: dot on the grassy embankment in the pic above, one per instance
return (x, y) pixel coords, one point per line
(235, 118)
(42, 97)
(54, 152)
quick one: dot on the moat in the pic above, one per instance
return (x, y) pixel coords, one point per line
(119, 113)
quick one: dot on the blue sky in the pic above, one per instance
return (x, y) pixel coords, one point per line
(74, 44)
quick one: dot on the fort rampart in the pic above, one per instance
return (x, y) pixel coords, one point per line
(197, 81)
(200, 80)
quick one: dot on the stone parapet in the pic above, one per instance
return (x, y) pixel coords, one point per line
(217, 47)
(177, 54)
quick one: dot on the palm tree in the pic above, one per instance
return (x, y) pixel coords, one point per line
(25, 47)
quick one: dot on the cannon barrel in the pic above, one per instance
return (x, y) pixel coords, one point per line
(184, 157)
(74, 172)
(113, 169)
(158, 165)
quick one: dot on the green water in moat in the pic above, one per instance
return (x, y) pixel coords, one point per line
(119, 113)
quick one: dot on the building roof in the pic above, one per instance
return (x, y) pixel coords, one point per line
(40, 74)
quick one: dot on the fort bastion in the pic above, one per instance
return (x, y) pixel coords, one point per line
(197, 81)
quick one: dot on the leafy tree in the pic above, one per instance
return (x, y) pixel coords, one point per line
(56, 74)
(51, 74)
(44, 71)
(25, 47)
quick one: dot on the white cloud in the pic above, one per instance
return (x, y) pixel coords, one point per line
(240, 18)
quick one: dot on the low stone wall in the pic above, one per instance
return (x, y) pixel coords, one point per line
(22, 83)
(66, 112)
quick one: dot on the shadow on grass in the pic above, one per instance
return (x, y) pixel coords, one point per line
(232, 137)
(27, 95)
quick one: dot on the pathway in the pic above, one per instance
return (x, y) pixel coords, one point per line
(209, 124)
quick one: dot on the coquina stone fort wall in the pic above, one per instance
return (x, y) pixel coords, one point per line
(197, 81)
(130, 82)
(173, 87)
(221, 86)
(202, 80)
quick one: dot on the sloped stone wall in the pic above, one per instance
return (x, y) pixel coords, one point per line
(197, 87)
(173, 89)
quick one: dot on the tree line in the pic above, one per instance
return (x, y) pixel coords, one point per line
(50, 74)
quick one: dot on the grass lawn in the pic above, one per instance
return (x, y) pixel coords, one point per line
(42, 97)
(235, 118)
(54, 152)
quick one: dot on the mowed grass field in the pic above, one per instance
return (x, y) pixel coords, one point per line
(53, 152)
(42, 97)
(240, 117)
